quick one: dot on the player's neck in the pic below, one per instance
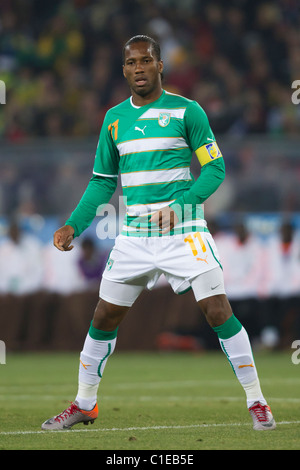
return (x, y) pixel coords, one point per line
(138, 100)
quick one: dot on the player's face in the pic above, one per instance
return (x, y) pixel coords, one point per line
(142, 71)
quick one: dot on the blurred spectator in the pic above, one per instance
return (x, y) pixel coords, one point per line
(61, 271)
(241, 257)
(20, 262)
(281, 253)
(289, 253)
(281, 287)
(91, 263)
(289, 288)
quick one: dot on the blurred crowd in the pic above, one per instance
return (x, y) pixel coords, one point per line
(61, 62)
(262, 274)
(27, 265)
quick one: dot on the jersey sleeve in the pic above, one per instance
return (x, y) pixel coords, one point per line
(107, 156)
(199, 134)
(97, 194)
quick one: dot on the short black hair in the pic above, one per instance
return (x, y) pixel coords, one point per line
(143, 38)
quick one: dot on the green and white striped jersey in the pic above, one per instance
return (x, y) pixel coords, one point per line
(151, 147)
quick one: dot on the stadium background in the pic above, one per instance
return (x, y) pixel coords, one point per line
(61, 64)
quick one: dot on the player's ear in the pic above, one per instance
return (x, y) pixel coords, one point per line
(124, 73)
(160, 66)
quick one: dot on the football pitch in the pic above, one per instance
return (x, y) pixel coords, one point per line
(148, 401)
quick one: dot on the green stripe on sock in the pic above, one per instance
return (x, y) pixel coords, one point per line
(105, 357)
(231, 327)
(102, 335)
(227, 355)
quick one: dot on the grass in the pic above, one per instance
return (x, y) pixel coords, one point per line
(148, 401)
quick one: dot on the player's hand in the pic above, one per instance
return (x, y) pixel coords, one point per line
(63, 237)
(165, 218)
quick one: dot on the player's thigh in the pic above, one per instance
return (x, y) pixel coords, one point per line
(208, 284)
(122, 294)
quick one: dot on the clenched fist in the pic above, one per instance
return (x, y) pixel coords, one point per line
(63, 237)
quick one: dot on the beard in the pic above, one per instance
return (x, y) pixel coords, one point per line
(143, 91)
(147, 89)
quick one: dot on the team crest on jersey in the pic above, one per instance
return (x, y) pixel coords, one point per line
(164, 119)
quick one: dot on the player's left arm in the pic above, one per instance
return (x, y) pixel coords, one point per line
(202, 140)
(212, 175)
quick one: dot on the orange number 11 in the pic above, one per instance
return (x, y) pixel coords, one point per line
(191, 242)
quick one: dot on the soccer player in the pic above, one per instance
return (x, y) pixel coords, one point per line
(149, 139)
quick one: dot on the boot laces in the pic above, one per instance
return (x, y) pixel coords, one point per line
(66, 413)
(260, 412)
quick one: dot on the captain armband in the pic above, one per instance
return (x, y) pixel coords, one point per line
(208, 153)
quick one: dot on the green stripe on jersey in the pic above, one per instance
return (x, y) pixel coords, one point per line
(145, 161)
(155, 192)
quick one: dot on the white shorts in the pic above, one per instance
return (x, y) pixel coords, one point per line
(187, 261)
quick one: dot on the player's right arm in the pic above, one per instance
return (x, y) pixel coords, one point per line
(63, 237)
(98, 192)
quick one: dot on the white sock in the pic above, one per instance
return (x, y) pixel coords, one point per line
(93, 359)
(239, 354)
(238, 351)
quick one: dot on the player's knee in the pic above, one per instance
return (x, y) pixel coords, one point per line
(217, 309)
(107, 316)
